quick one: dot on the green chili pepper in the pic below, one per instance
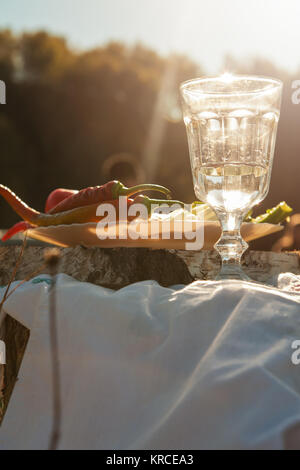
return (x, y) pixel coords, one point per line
(276, 215)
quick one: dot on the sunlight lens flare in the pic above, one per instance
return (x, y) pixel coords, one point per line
(227, 77)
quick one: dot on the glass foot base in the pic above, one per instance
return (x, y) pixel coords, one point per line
(232, 272)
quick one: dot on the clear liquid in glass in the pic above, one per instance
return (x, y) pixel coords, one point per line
(231, 187)
(231, 156)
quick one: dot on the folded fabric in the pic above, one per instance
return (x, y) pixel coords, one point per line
(204, 366)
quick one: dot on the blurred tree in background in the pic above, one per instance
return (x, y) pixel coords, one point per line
(68, 112)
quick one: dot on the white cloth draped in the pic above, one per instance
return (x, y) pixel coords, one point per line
(204, 366)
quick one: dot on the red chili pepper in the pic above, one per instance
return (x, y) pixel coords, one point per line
(106, 192)
(19, 206)
(57, 196)
(19, 227)
(82, 214)
(86, 214)
(54, 198)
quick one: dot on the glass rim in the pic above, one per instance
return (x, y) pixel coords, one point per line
(273, 84)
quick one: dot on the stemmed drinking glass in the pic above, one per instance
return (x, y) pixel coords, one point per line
(231, 124)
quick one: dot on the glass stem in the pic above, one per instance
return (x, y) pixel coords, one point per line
(231, 247)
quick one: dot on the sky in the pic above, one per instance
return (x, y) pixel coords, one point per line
(206, 30)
